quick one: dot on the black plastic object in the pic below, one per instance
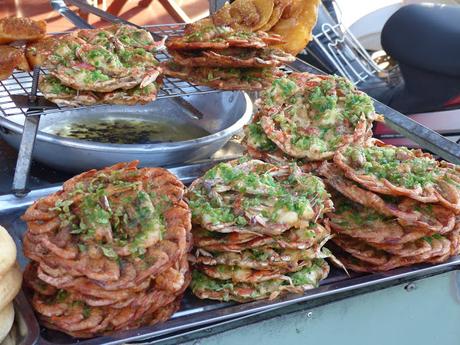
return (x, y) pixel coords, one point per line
(424, 40)
(425, 36)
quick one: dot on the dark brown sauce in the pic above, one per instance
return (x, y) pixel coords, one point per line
(127, 131)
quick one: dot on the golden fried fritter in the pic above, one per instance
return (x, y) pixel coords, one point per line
(21, 29)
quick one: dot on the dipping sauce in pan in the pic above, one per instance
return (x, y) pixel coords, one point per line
(127, 131)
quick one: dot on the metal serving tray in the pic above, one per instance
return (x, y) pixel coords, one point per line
(196, 316)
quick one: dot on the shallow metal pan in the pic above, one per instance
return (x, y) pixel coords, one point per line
(196, 315)
(224, 115)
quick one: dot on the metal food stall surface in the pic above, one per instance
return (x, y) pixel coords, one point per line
(423, 312)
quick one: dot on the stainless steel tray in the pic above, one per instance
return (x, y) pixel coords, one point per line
(196, 315)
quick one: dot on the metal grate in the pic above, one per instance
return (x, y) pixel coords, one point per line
(341, 47)
(20, 83)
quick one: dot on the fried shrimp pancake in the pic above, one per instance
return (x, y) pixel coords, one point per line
(221, 37)
(70, 313)
(136, 95)
(391, 170)
(105, 60)
(108, 250)
(253, 196)
(237, 241)
(262, 258)
(354, 220)
(440, 250)
(408, 212)
(311, 116)
(306, 278)
(55, 91)
(221, 78)
(21, 29)
(232, 57)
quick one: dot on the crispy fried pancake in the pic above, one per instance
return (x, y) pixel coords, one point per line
(308, 277)
(108, 250)
(311, 116)
(223, 79)
(253, 196)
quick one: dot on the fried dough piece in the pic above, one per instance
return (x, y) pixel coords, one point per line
(278, 9)
(37, 53)
(409, 213)
(232, 57)
(245, 14)
(21, 29)
(296, 25)
(10, 58)
(224, 79)
(224, 290)
(253, 196)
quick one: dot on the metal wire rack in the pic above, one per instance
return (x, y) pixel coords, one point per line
(340, 46)
(20, 83)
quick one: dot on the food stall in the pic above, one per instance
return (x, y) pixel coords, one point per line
(413, 299)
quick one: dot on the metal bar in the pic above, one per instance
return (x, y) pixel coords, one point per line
(60, 7)
(24, 161)
(214, 5)
(83, 5)
(425, 137)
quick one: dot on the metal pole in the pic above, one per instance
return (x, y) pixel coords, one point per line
(29, 134)
(214, 5)
(21, 173)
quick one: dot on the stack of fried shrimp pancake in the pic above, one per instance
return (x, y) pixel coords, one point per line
(111, 65)
(223, 58)
(256, 231)
(109, 251)
(305, 117)
(293, 20)
(394, 207)
(17, 30)
(10, 282)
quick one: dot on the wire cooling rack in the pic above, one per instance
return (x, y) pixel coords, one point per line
(20, 83)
